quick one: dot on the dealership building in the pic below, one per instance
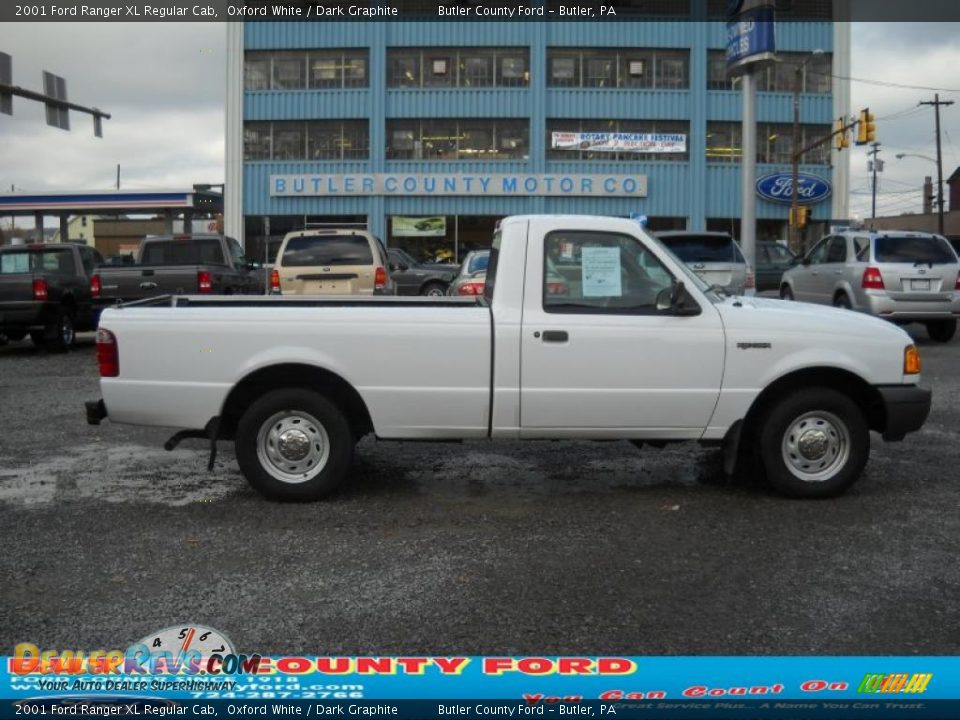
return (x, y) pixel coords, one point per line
(429, 132)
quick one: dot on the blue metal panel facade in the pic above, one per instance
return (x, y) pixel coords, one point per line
(695, 189)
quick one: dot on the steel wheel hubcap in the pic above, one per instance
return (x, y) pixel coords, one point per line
(66, 331)
(816, 446)
(293, 446)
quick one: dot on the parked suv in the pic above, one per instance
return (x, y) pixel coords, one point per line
(896, 275)
(714, 256)
(331, 262)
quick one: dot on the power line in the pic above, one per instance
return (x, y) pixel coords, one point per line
(886, 83)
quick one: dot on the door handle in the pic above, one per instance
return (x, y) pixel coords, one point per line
(555, 336)
(838, 272)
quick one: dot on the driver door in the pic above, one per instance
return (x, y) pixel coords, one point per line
(597, 357)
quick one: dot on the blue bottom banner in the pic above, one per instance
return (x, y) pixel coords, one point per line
(137, 681)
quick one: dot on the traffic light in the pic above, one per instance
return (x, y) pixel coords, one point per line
(866, 127)
(799, 216)
(842, 141)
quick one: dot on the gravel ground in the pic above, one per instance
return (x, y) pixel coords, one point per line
(509, 548)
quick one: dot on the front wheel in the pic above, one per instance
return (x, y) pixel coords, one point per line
(294, 445)
(814, 443)
(942, 330)
(786, 293)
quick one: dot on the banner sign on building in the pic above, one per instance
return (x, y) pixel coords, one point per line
(778, 188)
(751, 37)
(419, 227)
(446, 184)
(620, 142)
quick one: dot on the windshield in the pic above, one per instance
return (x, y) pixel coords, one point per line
(701, 248)
(913, 250)
(693, 278)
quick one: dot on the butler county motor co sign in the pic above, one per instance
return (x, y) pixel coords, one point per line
(457, 184)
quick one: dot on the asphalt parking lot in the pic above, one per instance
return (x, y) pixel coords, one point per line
(547, 548)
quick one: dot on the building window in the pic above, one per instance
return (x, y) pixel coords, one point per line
(312, 140)
(774, 143)
(300, 70)
(464, 67)
(815, 73)
(618, 68)
(672, 127)
(458, 139)
(792, 9)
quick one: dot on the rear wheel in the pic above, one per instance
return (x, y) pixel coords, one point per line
(842, 301)
(786, 293)
(60, 335)
(942, 330)
(294, 445)
(814, 443)
(434, 289)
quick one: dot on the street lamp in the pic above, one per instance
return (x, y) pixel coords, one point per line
(901, 156)
(795, 185)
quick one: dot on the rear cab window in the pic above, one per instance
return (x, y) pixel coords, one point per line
(913, 250)
(199, 251)
(327, 251)
(58, 261)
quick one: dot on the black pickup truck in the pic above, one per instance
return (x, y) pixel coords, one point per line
(50, 291)
(183, 265)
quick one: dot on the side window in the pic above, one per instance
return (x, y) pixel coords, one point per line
(86, 257)
(838, 250)
(595, 272)
(236, 252)
(778, 253)
(819, 254)
(861, 246)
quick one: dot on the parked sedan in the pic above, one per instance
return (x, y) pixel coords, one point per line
(714, 256)
(896, 275)
(773, 260)
(413, 278)
(472, 275)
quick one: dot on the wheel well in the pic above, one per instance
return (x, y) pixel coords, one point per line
(69, 304)
(839, 292)
(853, 386)
(295, 375)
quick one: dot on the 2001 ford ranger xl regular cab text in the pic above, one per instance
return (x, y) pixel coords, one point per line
(588, 328)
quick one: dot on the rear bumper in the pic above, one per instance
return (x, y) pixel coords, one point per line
(883, 305)
(96, 411)
(907, 408)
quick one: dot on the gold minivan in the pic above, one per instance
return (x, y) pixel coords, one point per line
(331, 262)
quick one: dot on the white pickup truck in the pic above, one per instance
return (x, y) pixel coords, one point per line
(589, 328)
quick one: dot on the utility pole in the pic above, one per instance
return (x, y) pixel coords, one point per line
(937, 102)
(875, 166)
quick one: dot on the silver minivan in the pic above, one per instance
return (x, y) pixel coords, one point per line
(897, 275)
(714, 256)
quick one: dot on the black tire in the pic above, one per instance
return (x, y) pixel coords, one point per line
(299, 415)
(786, 293)
(16, 335)
(842, 301)
(38, 338)
(434, 289)
(60, 335)
(941, 331)
(823, 417)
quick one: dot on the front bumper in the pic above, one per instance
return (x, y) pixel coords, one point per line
(907, 408)
(96, 411)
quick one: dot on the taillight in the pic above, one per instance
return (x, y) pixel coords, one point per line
(275, 281)
(957, 286)
(380, 278)
(751, 281)
(558, 288)
(471, 288)
(204, 282)
(872, 279)
(40, 289)
(108, 355)
(95, 287)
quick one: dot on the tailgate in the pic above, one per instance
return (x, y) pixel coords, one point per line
(348, 280)
(714, 273)
(16, 288)
(921, 282)
(146, 281)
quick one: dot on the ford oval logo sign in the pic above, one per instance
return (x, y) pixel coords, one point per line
(778, 187)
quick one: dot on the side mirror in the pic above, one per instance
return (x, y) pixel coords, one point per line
(805, 261)
(675, 300)
(397, 267)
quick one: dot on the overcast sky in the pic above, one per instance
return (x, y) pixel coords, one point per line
(164, 86)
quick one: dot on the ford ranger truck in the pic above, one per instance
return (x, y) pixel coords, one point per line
(632, 345)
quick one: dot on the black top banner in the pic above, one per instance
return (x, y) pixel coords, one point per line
(467, 10)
